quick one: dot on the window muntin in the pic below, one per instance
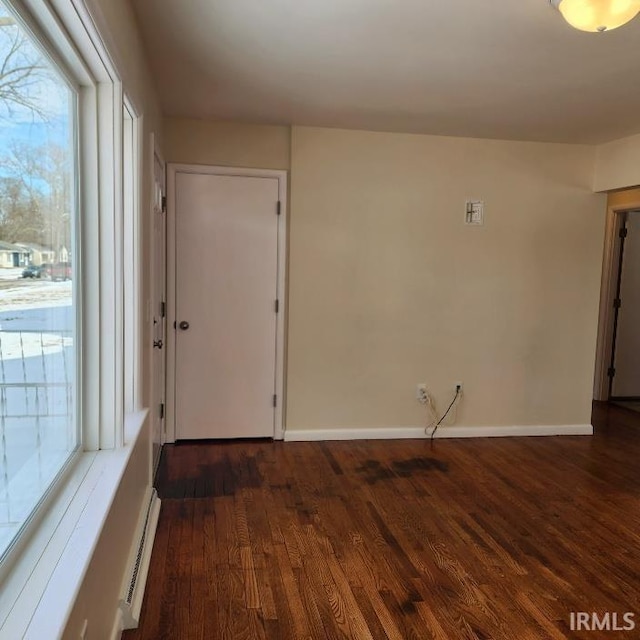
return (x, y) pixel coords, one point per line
(38, 275)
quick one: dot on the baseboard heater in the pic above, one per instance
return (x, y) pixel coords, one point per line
(131, 601)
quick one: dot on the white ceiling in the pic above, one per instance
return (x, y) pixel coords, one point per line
(509, 69)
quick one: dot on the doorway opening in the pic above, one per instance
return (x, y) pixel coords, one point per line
(617, 376)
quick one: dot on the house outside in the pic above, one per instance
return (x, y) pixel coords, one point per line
(13, 255)
(39, 254)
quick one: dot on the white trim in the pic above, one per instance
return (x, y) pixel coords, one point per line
(75, 19)
(607, 289)
(110, 292)
(41, 21)
(87, 250)
(39, 595)
(170, 375)
(155, 153)
(138, 249)
(101, 35)
(405, 433)
(132, 174)
(281, 293)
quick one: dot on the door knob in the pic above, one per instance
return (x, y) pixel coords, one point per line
(184, 325)
(157, 344)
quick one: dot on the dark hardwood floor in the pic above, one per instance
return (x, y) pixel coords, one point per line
(488, 538)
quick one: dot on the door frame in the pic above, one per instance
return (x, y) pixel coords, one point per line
(155, 394)
(608, 286)
(173, 169)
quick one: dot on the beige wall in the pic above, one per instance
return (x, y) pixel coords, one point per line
(388, 287)
(100, 591)
(617, 164)
(230, 144)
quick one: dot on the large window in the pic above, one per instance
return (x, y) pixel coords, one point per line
(70, 316)
(38, 275)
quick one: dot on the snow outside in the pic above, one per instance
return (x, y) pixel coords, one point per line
(37, 370)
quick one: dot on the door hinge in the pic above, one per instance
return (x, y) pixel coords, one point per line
(275, 400)
(623, 232)
(277, 306)
(611, 372)
(163, 309)
(164, 204)
(162, 411)
(617, 303)
(278, 208)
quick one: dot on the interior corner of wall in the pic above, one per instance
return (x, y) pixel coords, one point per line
(617, 164)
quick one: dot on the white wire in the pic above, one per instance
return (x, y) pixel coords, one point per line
(432, 414)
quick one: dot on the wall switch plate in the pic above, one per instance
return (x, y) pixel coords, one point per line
(474, 213)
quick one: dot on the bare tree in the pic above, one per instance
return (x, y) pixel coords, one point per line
(36, 195)
(21, 69)
(35, 179)
(21, 218)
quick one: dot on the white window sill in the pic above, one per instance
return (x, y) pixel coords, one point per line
(39, 593)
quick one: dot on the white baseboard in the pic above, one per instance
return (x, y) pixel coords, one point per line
(404, 433)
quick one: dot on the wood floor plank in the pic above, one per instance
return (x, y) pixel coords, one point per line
(251, 593)
(198, 575)
(267, 603)
(167, 615)
(296, 608)
(211, 549)
(316, 579)
(230, 592)
(284, 618)
(488, 538)
(185, 569)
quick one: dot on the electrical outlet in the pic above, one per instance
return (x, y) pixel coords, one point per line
(474, 213)
(422, 395)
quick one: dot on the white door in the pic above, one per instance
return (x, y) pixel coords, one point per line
(158, 308)
(225, 291)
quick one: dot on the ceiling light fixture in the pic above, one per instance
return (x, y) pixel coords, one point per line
(597, 15)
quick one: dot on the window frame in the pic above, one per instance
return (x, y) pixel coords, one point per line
(132, 250)
(34, 30)
(67, 33)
